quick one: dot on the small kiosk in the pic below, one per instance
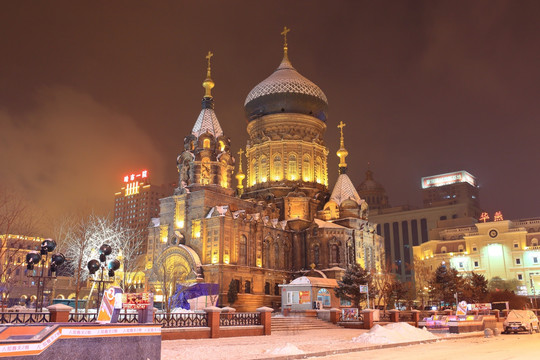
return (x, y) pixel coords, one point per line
(307, 293)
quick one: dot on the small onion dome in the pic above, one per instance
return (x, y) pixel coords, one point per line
(349, 204)
(286, 91)
(369, 184)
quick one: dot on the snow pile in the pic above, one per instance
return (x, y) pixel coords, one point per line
(288, 349)
(394, 333)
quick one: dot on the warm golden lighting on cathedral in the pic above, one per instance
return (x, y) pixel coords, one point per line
(221, 145)
(196, 229)
(180, 224)
(226, 259)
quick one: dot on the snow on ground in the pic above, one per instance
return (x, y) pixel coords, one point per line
(288, 349)
(394, 333)
(283, 343)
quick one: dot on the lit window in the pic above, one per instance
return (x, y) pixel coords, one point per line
(206, 143)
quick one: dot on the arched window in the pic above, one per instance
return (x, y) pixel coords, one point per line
(316, 254)
(221, 145)
(306, 168)
(253, 171)
(334, 253)
(277, 171)
(276, 256)
(443, 250)
(318, 170)
(264, 169)
(224, 175)
(267, 288)
(534, 242)
(205, 170)
(323, 295)
(461, 248)
(206, 143)
(242, 251)
(247, 287)
(293, 167)
(266, 253)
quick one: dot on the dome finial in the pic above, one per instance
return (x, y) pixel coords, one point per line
(208, 84)
(285, 47)
(342, 152)
(240, 175)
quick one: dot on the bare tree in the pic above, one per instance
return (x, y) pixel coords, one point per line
(81, 239)
(16, 221)
(422, 276)
(384, 281)
(130, 245)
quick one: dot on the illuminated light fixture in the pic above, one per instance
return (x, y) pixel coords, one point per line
(259, 263)
(226, 259)
(293, 177)
(451, 254)
(263, 179)
(276, 178)
(214, 259)
(164, 239)
(180, 224)
(198, 234)
(253, 183)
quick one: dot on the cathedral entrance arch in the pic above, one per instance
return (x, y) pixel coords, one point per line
(176, 264)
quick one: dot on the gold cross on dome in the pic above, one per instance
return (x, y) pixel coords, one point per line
(284, 33)
(341, 126)
(209, 56)
(240, 152)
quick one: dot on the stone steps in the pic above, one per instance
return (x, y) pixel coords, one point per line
(299, 323)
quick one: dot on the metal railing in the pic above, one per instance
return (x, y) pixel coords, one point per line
(24, 317)
(240, 319)
(172, 320)
(82, 317)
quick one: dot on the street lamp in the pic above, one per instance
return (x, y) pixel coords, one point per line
(40, 259)
(95, 265)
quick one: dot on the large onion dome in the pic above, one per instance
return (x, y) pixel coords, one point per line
(286, 91)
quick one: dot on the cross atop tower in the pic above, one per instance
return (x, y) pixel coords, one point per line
(208, 57)
(284, 33)
(341, 126)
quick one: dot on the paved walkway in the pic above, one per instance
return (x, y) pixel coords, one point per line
(310, 343)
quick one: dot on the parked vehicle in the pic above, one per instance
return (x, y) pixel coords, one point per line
(521, 320)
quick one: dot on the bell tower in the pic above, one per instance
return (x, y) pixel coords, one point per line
(206, 161)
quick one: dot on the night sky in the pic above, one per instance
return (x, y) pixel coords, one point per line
(93, 90)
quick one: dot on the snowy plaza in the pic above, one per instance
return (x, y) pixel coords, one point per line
(404, 343)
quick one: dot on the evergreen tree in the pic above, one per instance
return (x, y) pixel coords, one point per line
(475, 288)
(232, 294)
(349, 286)
(446, 283)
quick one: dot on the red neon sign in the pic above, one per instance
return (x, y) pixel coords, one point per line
(142, 175)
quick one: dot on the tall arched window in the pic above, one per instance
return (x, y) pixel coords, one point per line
(318, 170)
(224, 176)
(293, 167)
(205, 171)
(306, 168)
(277, 171)
(206, 143)
(242, 251)
(253, 171)
(276, 256)
(266, 253)
(316, 255)
(264, 169)
(334, 254)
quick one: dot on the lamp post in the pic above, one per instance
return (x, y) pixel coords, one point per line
(40, 259)
(95, 265)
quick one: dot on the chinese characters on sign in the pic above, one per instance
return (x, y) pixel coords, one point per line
(133, 177)
(136, 301)
(498, 216)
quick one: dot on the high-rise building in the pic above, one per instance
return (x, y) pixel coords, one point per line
(446, 196)
(137, 203)
(284, 223)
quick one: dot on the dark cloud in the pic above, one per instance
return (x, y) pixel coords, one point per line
(69, 152)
